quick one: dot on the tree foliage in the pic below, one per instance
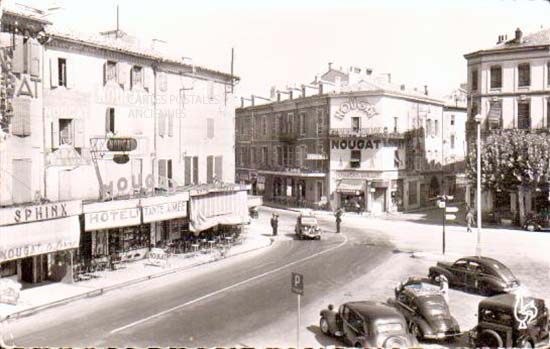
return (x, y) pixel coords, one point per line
(510, 158)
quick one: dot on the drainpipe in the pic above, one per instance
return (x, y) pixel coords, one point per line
(154, 158)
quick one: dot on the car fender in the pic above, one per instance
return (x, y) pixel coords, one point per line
(492, 333)
(423, 325)
(332, 318)
(525, 338)
(492, 281)
(442, 271)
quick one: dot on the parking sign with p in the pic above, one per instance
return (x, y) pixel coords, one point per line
(297, 284)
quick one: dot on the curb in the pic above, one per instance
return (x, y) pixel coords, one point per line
(102, 290)
(434, 256)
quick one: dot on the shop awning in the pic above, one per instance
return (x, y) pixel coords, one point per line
(228, 208)
(160, 208)
(350, 186)
(31, 239)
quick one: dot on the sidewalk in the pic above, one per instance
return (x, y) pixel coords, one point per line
(32, 300)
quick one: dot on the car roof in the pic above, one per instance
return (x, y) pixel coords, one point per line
(374, 310)
(504, 302)
(423, 292)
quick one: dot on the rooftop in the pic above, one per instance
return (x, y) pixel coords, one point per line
(519, 41)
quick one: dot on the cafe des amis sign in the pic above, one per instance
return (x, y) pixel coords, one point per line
(352, 104)
(26, 214)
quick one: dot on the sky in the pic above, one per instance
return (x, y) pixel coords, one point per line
(419, 42)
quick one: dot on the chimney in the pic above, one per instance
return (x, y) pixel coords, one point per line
(278, 96)
(272, 92)
(368, 71)
(329, 65)
(500, 37)
(519, 35)
(426, 90)
(320, 88)
(242, 102)
(290, 93)
(303, 91)
(402, 87)
(252, 100)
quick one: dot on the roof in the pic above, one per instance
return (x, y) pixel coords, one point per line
(379, 85)
(371, 309)
(29, 15)
(534, 40)
(506, 301)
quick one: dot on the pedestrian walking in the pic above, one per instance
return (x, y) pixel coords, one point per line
(275, 223)
(469, 218)
(338, 215)
(444, 287)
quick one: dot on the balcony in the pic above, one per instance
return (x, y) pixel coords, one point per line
(375, 132)
(288, 137)
(310, 171)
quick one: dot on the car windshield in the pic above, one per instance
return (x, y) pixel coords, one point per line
(435, 307)
(309, 221)
(390, 327)
(422, 286)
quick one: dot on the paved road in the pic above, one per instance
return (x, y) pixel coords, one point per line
(214, 305)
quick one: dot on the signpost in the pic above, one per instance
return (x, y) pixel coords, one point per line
(442, 203)
(297, 287)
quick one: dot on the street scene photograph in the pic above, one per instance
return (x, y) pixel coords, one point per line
(277, 174)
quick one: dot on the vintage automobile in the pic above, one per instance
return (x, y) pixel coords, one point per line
(307, 228)
(425, 309)
(483, 275)
(501, 326)
(367, 324)
(537, 221)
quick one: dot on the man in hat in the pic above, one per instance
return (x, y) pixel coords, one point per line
(338, 215)
(274, 223)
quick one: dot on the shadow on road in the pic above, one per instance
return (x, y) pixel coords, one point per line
(321, 338)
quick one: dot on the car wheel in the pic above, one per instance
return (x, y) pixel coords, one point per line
(323, 324)
(490, 339)
(415, 330)
(526, 344)
(358, 345)
(531, 227)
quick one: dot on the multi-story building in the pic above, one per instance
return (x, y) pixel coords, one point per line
(358, 142)
(137, 144)
(509, 86)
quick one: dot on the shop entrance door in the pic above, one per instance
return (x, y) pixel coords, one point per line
(34, 269)
(26, 270)
(379, 200)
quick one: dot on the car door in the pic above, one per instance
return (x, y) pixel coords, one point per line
(353, 327)
(459, 270)
(471, 275)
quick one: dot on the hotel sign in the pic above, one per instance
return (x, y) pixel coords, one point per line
(26, 214)
(164, 211)
(354, 104)
(112, 219)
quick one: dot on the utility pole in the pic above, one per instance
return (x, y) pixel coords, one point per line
(232, 72)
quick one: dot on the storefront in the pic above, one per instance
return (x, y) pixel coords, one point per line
(113, 229)
(36, 242)
(167, 216)
(351, 194)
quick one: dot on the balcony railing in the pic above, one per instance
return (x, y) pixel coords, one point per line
(379, 132)
(287, 137)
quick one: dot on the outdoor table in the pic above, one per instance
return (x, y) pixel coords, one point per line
(195, 248)
(228, 240)
(211, 245)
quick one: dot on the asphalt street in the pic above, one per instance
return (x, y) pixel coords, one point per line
(214, 305)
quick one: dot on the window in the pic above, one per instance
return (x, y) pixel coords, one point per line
(279, 156)
(524, 115)
(494, 118)
(165, 173)
(264, 126)
(252, 156)
(62, 71)
(428, 127)
(548, 113)
(524, 75)
(209, 128)
(303, 123)
(474, 80)
(355, 124)
(496, 76)
(355, 161)
(396, 158)
(209, 169)
(218, 168)
(110, 71)
(548, 73)
(290, 123)
(195, 170)
(136, 77)
(452, 120)
(110, 121)
(436, 127)
(66, 131)
(452, 141)
(187, 176)
(395, 123)
(264, 155)
(320, 122)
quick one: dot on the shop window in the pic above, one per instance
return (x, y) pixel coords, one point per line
(66, 131)
(62, 72)
(496, 76)
(474, 80)
(524, 75)
(524, 115)
(355, 161)
(136, 76)
(413, 193)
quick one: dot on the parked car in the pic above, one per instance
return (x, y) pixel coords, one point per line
(425, 309)
(307, 228)
(483, 275)
(498, 327)
(253, 211)
(537, 222)
(367, 324)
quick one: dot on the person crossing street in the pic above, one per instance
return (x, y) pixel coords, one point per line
(274, 223)
(338, 215)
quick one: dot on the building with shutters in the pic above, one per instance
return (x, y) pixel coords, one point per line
(357, 142)
(68, 101)
(509, 86)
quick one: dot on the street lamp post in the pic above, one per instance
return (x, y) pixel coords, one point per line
(478, 119)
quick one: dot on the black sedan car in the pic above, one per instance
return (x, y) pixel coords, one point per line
(483, 275)
(426, 311)
(367, 324)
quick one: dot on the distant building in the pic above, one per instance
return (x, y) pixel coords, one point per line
(509, 86)
(358, 141)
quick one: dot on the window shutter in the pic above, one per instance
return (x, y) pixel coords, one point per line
(105, 73)
(218, 168)
(209, 169)
(162, 124)
(148, 79)
(34, 54)
(169, 172)
(209, 128)
(163, 82)
(71, 72)
(162, 174)
(54, 74)
(187, 179)
(170, 124)
(21, 122)
(122, 73)
(18, 62)
(195, 169)
(55, 133)
(79, 140)
(131, 77)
